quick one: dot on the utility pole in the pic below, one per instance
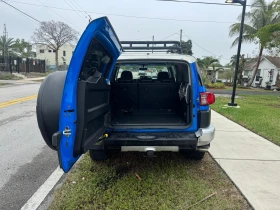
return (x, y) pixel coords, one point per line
(181, 33)
(5, 36)
(5, 39)
(153, 44)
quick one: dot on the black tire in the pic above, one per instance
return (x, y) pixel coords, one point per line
(194, 155)
(99, 155)
(48, 105)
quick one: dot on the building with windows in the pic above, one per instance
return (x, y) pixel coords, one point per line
(64, 55)
(267, 73)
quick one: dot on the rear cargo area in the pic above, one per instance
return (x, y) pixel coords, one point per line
(147, 101)
(148, 117)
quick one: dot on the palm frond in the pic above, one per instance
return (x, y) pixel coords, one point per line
(245, 38)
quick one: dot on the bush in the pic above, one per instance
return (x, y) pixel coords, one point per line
(230, 84)
(219, 81)
(216, 85)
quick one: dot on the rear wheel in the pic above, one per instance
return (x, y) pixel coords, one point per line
(99, 155)
(195, 155)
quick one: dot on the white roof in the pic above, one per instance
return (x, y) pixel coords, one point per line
(159, 56)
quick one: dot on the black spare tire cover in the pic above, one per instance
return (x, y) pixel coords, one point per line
(48, 105)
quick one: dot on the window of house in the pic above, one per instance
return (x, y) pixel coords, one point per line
(42, 51)
(258, 75)
(246, 73)
(64, 53)
(50, 50)
(271, 73)
(54, 51)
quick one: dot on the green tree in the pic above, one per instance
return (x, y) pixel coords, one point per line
(207, 62)
(262, 14)
(6, 45)
(187, 47)
(23, 48)
(270, 37)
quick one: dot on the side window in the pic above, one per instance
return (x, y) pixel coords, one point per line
(199, 75)
(97, 60)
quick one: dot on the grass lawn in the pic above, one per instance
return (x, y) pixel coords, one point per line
(8, 76)
(259, 113)
(2, 83)
(130, 181)
(37, 74)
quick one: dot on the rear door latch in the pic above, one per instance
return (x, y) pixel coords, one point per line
(67, 131)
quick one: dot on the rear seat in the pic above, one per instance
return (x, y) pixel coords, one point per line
(160, 94)
(145, 94)
(125, 91)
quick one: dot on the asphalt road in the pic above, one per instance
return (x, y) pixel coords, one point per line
(26, 162)
(244, 92)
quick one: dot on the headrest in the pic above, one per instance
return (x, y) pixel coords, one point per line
(126, 75)
(162, 75)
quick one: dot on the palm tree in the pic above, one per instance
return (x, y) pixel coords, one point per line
(6, 44)
(205, 63)
(262, 14)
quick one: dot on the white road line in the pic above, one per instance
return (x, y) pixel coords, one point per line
(38, 197)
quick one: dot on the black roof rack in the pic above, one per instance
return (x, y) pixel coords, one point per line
(150, 46)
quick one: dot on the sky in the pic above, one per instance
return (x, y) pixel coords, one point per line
(206, 25)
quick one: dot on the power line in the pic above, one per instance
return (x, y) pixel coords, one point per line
(21, 11)
(73, 9)
(207, 3)
(57, 14)
(128, 16)
(203, 47)
(80, 7)
(169, 36)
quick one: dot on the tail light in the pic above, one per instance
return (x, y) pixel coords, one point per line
(207, 98)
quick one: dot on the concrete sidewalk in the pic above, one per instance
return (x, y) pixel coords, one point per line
(252, 162)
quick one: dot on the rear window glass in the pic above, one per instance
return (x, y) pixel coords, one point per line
(139, 71)
(97, 59)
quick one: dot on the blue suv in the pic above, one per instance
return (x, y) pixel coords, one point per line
(144, 100)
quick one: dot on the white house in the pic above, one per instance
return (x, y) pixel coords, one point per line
(64, 54)
(267, 72)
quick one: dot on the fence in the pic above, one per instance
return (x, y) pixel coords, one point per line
(22, 65)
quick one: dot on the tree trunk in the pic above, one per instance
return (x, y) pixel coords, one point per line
(278, 79)
(256, 68)
(56, 58)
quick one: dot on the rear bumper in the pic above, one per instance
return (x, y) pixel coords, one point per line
(205, 135)
(142, 142)
(149, 141)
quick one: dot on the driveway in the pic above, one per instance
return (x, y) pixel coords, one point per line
(251, 162)
(244, 92)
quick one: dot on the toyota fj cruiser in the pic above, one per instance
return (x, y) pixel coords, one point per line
(108, 101)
